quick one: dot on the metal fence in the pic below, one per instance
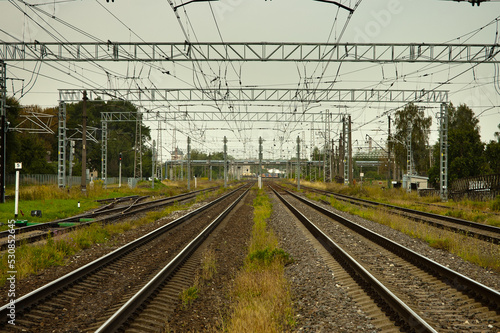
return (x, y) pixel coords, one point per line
(40, 179)
(483, 188)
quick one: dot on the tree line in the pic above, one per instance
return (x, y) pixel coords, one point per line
(39, 152)
(468, 156)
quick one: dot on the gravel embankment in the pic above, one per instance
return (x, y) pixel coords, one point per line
(487, 277)
(321, 304)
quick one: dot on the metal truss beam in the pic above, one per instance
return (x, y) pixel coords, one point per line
(35, 122)
(211, 116)
(310, 52)
(243, 162)
(258, 95)
(77, 135)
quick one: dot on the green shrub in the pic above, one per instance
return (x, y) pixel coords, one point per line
(267, 256)
(495, 204)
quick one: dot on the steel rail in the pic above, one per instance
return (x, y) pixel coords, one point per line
(113, 202)
(106, 219)
(487, 295)
(405, 313)
(96, 212)
(47, 290)
(120, 317)
(450, 219)
(118, 199)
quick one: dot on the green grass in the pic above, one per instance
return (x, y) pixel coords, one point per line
(189, 295)
(262, 301)
(58, 203)
(476, 211)
(484, 254)
(266, 256)
(31, 259)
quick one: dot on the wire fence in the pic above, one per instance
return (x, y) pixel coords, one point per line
(51, 179)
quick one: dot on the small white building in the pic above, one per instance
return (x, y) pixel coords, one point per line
(416, 182)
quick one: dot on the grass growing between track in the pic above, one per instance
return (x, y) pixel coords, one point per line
(31, 259)
(262, 300)
(478, 252)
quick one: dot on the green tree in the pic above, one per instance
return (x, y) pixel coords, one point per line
(465, 149)
(121, 138)
(317, 155)
(412, 117)
(31, 149)
(197, 155)
(13, 145)
(492, 154)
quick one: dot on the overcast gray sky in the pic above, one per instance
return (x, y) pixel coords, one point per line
(394, 21)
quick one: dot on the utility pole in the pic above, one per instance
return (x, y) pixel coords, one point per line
(345, 144)
(138, 147)
(389, 155)
(225, 161)
(189, 164)
(298, 163)
(159, 156)
(349, 133)
(3, 128)
(153, 165)
(409, 166)
(120, 171)
(341, 155)
(332, 161)
(84, 143)
(443, 145)
(328, 165)
(71, 152)
(260, 157)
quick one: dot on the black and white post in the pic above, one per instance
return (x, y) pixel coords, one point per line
(18, 166)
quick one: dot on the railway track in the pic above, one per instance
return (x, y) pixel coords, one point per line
(105, 214)
(480, 231)
(429, 296)
(79, 300)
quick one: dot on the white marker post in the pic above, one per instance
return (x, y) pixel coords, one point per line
(18, 166)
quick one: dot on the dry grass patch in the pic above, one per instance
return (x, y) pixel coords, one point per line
(263, 301)
(208, 265)
(478, 252)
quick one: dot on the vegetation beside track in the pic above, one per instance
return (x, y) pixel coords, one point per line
(58, 203)
(468, 248)
(262, 300)
(31, 259)
(477, 211)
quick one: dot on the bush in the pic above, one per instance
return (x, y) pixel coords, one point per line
(267, 256)
(495, 204)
